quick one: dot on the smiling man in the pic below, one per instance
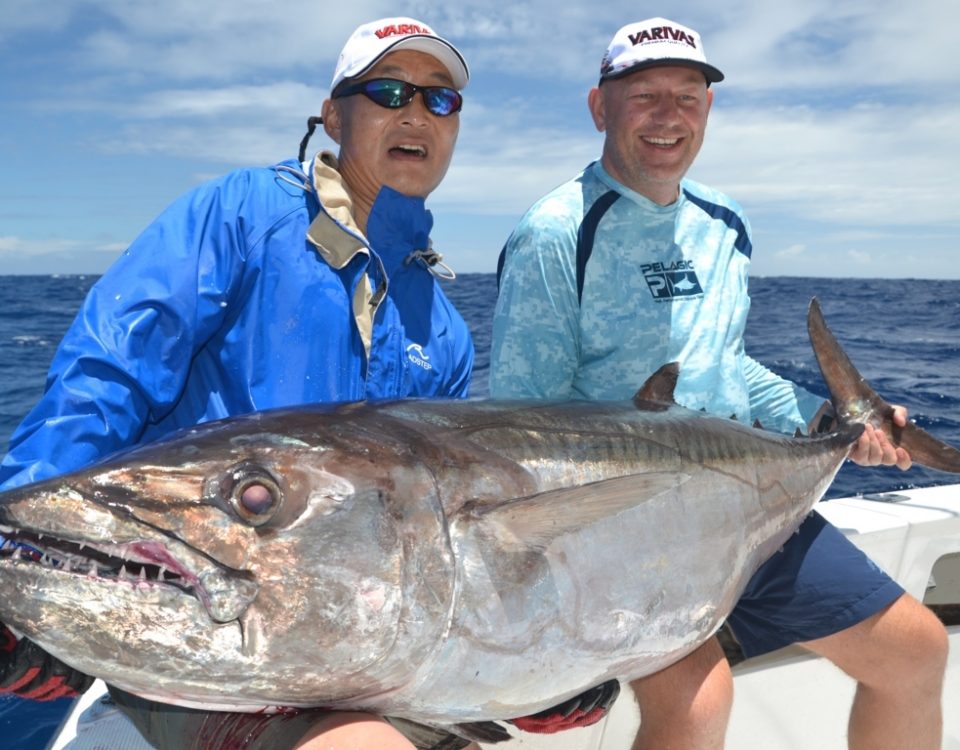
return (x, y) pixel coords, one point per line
(631, 265)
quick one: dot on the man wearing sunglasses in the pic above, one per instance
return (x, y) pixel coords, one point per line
(313, 280)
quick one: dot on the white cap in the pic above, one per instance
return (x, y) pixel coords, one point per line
(370, 42)
(653, 42)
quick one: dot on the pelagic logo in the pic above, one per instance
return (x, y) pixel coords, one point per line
(402, 29)
(662, 34)
(420, 358)
(671, 281)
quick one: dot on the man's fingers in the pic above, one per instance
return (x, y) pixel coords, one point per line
(873, 448)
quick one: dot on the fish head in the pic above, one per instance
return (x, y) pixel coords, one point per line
(181, 568)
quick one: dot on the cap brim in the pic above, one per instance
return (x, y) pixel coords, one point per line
(713, 75)
(434, 46)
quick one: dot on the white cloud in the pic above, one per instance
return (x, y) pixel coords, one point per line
(181, 39)
(760, 44)
(836, 127)
(19, 255)
(264, 100)
(501, 166)
(792, 252)
(17, 246)
(875, 164)
(24, 16)
(860, 257)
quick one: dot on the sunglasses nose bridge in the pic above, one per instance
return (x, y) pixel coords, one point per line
(406, 95)
(420, 101)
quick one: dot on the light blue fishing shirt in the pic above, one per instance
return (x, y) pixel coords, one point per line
(662, 284)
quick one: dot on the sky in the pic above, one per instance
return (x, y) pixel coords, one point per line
(837, 127)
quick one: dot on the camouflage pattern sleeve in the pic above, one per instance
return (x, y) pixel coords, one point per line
(536, 331)
(778, 403)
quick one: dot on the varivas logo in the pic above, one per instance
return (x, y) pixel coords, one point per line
(662, 34)
(416, 355)
(402, 29)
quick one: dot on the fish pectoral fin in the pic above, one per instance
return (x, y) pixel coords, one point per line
(488, 732)
(535, 521)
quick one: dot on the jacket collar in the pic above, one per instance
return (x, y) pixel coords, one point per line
(333, 232)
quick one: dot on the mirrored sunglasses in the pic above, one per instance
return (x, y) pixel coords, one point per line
(393, 94)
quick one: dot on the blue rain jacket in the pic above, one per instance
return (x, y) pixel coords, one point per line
(224, 306)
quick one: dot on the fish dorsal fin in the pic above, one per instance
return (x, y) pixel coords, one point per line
(660, 386)
(533, 522)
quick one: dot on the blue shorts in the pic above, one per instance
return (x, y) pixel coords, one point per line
(819, 584)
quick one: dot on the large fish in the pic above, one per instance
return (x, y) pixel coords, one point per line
(443, 561)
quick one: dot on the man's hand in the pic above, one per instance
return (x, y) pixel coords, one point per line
(581, 711)
(30, 672)
(875, 449)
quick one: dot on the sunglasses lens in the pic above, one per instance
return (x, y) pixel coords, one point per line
(389, 93)
(442, 101)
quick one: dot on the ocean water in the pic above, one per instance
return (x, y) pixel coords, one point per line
(903, 335)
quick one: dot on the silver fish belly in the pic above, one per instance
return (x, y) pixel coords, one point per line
(442, 561)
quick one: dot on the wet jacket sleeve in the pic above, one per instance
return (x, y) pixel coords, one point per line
(125, 358)
(778, 403)
(535, 349)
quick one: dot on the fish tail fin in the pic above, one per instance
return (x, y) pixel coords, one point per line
(855, 401)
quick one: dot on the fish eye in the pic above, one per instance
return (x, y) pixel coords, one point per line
(253, 493)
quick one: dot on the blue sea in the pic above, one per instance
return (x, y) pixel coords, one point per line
(903, 335)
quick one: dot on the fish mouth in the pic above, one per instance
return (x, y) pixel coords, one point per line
(137, 562)
(145, 565)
